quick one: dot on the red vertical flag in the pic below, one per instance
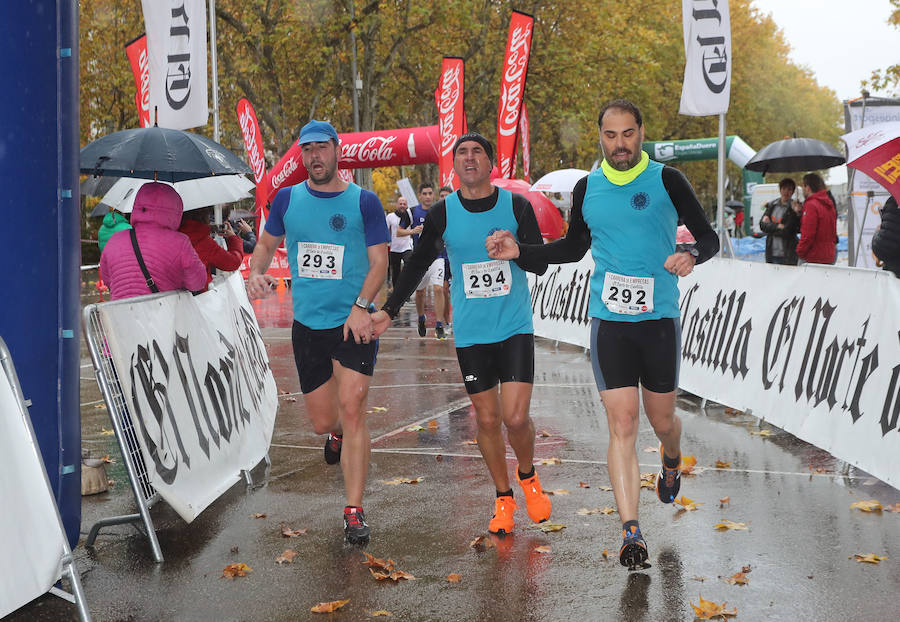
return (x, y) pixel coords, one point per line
(524, 135)
(254, 145)
(450, 101)
(140, 66)
(512, 89)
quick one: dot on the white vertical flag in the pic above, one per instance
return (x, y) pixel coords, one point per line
(176, 45)
(707, 50)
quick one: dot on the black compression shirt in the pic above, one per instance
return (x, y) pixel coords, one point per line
(431, 243)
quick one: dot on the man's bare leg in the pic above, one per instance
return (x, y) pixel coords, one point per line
(625, 477)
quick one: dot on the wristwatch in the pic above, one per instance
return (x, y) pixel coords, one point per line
(362, 303)
(693, 251)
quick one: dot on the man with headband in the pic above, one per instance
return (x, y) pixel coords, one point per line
(491, 318)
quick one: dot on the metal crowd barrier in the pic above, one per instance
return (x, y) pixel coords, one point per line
(69, 569)
(145, 494)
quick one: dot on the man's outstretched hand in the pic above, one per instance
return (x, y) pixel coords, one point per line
(502, 245)
(381, 321)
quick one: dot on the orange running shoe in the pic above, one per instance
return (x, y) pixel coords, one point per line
(536, 500)
(502, 521)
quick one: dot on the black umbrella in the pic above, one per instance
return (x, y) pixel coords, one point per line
(97, 186)
(100, 210)
(795, 154)
(159, 153)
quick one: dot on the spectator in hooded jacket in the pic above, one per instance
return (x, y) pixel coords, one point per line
(781, 224)
(113, 222)
(195, 225)
(818, 224)
(168, 254)
(886, 241)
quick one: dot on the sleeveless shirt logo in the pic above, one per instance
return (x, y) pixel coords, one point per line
(640, 200)
(494, 230)
(338, 222)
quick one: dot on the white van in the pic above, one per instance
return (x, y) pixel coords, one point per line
(759, 196)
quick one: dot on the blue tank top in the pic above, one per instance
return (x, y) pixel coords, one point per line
(490, 298)
(325, 241)
(632, 234)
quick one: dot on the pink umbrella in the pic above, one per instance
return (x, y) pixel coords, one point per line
(548, 217)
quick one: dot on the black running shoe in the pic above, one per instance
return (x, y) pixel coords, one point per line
(421, 327)
(668, 482)
(333, 448)
(439, 333)
(356, 529)
(633, 553)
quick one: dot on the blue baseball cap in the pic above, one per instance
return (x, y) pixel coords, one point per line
(317, 132)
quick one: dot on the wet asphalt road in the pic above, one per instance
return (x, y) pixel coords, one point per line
(793, 498)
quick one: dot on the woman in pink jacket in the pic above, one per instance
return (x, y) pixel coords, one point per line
(168, 255)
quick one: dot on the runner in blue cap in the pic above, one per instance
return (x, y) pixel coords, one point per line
(336, 240)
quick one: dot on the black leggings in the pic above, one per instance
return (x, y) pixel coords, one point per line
(394, 266)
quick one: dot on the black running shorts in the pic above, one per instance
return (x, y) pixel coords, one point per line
(484, 365)
(625, 354)
(314, 350)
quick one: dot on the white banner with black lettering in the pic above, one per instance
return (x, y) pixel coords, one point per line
(559, 301)
(32, 542)
(197, 382)
(176, 47)
(706, 89)
(812, 349)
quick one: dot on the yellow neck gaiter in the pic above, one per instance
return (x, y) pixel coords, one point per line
(620, 178)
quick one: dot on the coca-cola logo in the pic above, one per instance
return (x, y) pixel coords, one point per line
(514, 80)
(373, 149)
(449, 97)
(248, 129)
(279, 178)
(144, 65)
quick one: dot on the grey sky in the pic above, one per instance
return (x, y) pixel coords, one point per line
(841, 41)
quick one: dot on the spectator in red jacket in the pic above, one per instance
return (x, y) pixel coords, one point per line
(818, 225)
(195, 225)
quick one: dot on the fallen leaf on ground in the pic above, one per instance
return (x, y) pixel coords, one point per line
(415, 428)
(287, 557)
(550, 527)
(605, 488)
(106, 432)
(648, 480)
(401, 480)
(379, 409)
(605, 554)
(869, 558)
(652, 450)
(867, 506)
(721, 464)
(546, 461)
(288, 532)
(329, 606)
(709, 610)
(745, 569)
(258, 515)
(730, 411)
(687, 464)
(483, 542)
(544, 434)
(604, 510)
(542, 549)
(762, 433)
(558, 491)
(236, 570)
(700, 579)
(726, 525)
(739, 578)
(235, 550)
(376, 562)
(688, 505)
(380, 575)
(380, 613)
(100, 406)
(892, 508)
(472, 442)
(108, 460)
(586, 485)
(454, 578)
(282, 392)
(723, 501)
(438, 458)
(399, 574)
(112, 482)
(433, 424)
